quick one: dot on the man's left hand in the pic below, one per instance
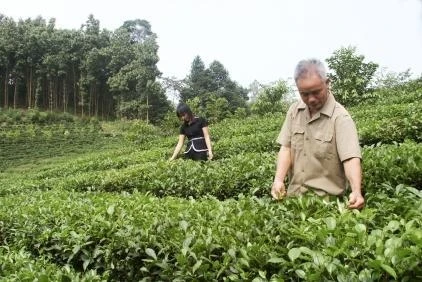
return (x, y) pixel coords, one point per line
(356, 201)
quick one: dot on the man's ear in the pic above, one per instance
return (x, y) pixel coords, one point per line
(328, 83)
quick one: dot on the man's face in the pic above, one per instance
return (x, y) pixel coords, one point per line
(313, 91)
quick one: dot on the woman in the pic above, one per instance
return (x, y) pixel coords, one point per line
(196, 130)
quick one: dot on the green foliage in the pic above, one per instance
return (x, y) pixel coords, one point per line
(119, 211)
(196, 106)
(139, 131)
(217, 108)
(37, 138)
(17, 117)
(393, 164)
(389, 80)
(396, 89)
(132, 109)
(271, 99)
(241, 113)
(221, 179)
(151, 106)
(350, 77)
(196, 80)
(249, 126)
(234, 171)
(170, 124)
(202, 83)
(141, 237)
(19, 265)
(388, 123)
(87, 71)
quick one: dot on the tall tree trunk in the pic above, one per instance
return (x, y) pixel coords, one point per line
(64, 95)
(1, 91)
(57, 93)
(81, 92)
(50, 99)
(46, 94)
(74, 90)
(38, 91)
(15, 94)
(147, 110)
(91, 90)
(30, 88)
(97, 100)
(102, 107)
(6, 92)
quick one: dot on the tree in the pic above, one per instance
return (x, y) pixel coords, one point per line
(172, 87)
(196, 107)
(205, 83)
(272, 99)
(196, 82)
(217, 108)
(254, 88)
(350, 77)
(93, 67)
(35, 44)
(8, 30)
(134, 73)
(90, 71)
(218, 76)
(221, 84)
(139, 30)
(384, 79)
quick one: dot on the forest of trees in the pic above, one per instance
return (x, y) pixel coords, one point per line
(88, 72)
(93, 72)
(213, 81)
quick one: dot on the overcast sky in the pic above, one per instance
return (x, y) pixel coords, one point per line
(253, 39)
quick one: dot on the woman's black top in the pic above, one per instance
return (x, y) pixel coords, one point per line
(193, 131)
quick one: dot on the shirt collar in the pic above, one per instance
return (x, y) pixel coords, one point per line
(329, 106)
(194, 120)
(327, 109)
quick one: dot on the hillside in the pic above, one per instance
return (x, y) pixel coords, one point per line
(92, 201)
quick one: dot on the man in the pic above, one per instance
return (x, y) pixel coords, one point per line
(319, 142)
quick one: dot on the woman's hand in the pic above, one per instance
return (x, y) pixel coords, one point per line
(210, 155)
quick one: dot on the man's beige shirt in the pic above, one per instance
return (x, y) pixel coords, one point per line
(318, 146)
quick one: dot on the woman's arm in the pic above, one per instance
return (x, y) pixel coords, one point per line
(178, 146)
(208, 141)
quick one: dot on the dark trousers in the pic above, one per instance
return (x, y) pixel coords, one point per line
(196, 156)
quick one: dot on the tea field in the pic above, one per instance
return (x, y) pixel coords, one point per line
(91, 201)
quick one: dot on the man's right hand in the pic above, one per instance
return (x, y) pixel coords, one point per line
(278, 191)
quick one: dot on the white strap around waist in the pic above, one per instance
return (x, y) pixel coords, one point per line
(193, 147)
(196, 138)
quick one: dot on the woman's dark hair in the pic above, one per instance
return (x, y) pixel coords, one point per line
(183, 109)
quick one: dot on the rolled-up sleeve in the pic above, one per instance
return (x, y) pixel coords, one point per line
(347, 138)
(284, 137)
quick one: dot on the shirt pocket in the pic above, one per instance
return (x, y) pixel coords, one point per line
(298, 134)
(324, 145)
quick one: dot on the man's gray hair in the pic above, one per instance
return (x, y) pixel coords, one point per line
(310, 66)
